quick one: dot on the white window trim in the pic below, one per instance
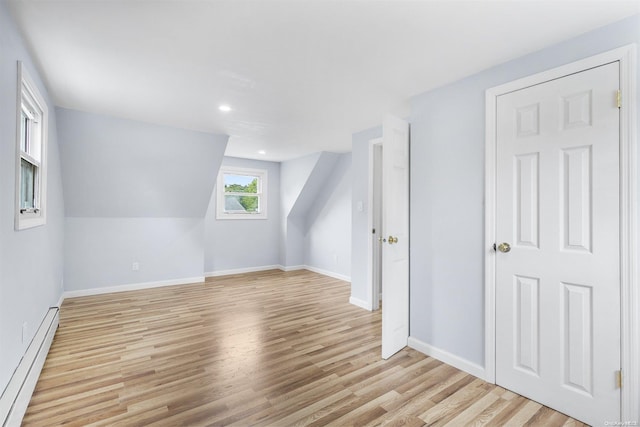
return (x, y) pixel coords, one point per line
(26, 88)
(262, 192)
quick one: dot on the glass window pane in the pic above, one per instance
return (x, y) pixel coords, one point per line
(27, 184)
(250, 203)
(232, 204)
(240, 183)
(242, 204)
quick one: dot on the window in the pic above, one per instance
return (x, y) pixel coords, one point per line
(241, 193)
(31, 149)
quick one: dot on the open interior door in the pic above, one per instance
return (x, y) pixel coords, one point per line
(395, 226)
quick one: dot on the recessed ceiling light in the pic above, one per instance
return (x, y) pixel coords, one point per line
(224, 108)
(262, 152)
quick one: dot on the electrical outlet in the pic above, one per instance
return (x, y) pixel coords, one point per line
(24, 332)
(135, 266)
(335, 258)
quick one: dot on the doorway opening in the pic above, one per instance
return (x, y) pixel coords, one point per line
(375, 223)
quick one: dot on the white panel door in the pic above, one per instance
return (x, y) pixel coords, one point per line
(558, 284)
(395, 226)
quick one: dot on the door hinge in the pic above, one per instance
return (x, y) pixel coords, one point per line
(619, 99)
(619, 378)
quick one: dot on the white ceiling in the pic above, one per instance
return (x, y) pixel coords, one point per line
(300, 75)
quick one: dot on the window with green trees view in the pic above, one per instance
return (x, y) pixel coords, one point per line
(241, 193)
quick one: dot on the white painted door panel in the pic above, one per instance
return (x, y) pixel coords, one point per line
(558, 289)
(395, 219)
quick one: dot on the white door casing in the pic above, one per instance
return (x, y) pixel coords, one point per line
(395, 220)
(374, 221)
(557, 339)
(376, 208)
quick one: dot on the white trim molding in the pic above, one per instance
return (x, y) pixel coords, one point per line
(192, 280)
(279, 267)
(242, 270)
(291, 267)
(630, 293)
(328, 273)
(446, 357)
(132, 287)
(360, 303)
(261, 193)
(370, 237)
(60, 300)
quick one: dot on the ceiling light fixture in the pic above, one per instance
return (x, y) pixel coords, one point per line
(224, 108)
(262, 152)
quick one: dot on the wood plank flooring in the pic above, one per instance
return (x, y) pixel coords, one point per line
(269, 348)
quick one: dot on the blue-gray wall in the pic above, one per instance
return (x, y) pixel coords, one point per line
(447, 187)
(303, 180)
(294, 174)
(134, 192)
(30, 260)
(233, 244)
(328, 222)
(99, 252)
(309, 219)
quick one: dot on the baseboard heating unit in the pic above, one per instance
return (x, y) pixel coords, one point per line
(15, 399)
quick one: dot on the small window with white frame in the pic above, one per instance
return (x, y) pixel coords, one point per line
(31, 153)
(241, 193)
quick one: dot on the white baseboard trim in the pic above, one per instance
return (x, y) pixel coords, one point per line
(60, 300)
(328, 273)
(292, 267)
(448, 358)
(360, 303)
(132, 287)
(188, 280)
(278, 267)
(15, 398)
(242, 270)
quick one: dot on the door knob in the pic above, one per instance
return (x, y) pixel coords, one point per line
(504, 247)
(392, 240)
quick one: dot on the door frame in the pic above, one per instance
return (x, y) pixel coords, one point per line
(372, 293)
(630, 292)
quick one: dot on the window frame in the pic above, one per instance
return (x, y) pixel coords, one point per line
(262, 195)
(30, 101)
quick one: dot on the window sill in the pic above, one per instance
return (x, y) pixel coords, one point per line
(241, 216)
(26, 223)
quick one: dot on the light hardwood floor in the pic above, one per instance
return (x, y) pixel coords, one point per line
(269, 348)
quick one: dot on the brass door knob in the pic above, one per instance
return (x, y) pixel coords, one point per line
(392, 240)
(504, 247)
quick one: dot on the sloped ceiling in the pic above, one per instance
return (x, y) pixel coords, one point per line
(114, 167)
(300, 75)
